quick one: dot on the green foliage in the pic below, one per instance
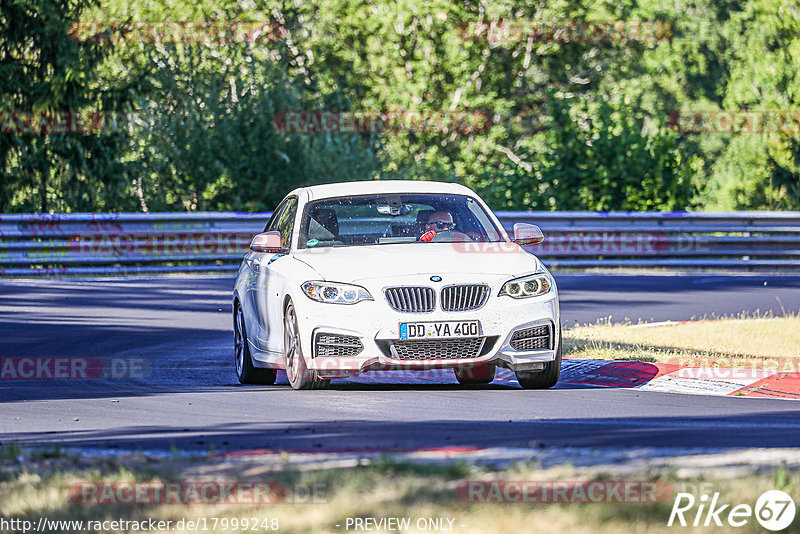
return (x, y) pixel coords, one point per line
(42, 68)
(208, 142)
(598, 158)
(574, 125)
(762, 171)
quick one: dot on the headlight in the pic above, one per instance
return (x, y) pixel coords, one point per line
(527, 286)
(335, 293)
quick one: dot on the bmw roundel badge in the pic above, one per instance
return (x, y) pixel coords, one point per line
(436, 278)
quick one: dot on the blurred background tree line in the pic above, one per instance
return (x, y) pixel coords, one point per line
(575, 125)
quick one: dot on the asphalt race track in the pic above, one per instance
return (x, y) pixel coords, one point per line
(179, 389)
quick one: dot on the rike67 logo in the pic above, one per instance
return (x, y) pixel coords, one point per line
(774, 510)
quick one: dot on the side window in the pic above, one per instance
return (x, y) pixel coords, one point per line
(284, 221)
(275, 216)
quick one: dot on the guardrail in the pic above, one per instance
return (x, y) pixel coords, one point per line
(117, 243)
(749, 240)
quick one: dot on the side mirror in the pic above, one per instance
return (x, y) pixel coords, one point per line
(527, 234)
(269, 242)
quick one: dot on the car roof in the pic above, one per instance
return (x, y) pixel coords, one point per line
(370, 187)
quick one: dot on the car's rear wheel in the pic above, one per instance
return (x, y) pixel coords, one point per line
(298, 374)
(246, 372)
(475, 375)
(544, 379)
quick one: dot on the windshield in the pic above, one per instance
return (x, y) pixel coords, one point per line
(395, 218)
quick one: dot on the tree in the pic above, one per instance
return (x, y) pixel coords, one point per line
(44, 68)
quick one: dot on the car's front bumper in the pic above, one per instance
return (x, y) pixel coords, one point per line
(376, 326)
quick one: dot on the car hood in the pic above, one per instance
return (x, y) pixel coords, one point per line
(352, 264)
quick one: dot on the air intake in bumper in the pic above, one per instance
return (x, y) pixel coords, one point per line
(436, 349)
(533, 338)
(336, 345)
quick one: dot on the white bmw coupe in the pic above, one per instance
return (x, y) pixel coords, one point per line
(393, 275)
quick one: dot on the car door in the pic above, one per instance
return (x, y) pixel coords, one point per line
(267, 284)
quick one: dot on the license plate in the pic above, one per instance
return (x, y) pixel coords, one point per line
(440, 329)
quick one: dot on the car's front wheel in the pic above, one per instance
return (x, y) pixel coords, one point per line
(475, 375)
(544, 379)
(298, 374)
(246, 372)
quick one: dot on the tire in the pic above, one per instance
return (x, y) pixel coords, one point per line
(544, 379)
(298, 374)
(475, 375)
(246, 372)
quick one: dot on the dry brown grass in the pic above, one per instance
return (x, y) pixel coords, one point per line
(726, 342)
(381, 489)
